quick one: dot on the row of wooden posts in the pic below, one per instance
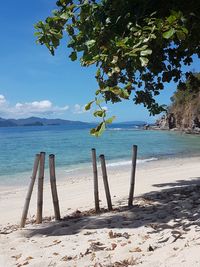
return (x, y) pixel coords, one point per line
(105, 179)
(40, 163)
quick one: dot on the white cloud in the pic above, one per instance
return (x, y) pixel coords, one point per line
(44, 107)
(2, 99)
(78, 109)
(105, 108)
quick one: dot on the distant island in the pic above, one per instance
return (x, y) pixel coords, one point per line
(36, 121)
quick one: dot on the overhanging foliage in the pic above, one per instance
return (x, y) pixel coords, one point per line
(136, 45)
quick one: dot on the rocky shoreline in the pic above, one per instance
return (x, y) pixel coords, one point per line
(168, 122)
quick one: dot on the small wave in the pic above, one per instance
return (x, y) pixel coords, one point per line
(128, 162)
(115, 129)
(109, 164)
(124, 129)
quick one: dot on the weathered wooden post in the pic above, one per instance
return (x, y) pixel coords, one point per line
(53, 186)
(95, 175)
(30, 190)
(105, 180)
(133, 168)
(40, 188)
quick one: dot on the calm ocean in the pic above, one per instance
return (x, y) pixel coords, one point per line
(72, 147)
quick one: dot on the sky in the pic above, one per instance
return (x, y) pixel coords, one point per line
(34, 83)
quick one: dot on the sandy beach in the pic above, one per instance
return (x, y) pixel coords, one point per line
(161, 229)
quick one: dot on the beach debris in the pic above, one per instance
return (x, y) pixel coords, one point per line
(113, 245)
(98, 265)
(115, 235)
(55, 242)
(146, 201)
(123, 244)
(150, 248)
(29, 258)
(67, 258)
(22, 264)
(90, 233)
(93, 256)
(163, 240)
(125, 235)
(8, 229)
(45, 219)
(137, 249)
(78, 214)
(125, 263)
(155, 226)
(176, 234)
(88, 251)
(97, 246)
(55, 253)
(145, 237)
(16, 257)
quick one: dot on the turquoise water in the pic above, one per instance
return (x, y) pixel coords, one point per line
(72, 147)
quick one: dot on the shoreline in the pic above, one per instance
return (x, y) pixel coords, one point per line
(21, 179)
(189, 131)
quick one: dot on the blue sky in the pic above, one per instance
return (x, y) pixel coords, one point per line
(33, 83)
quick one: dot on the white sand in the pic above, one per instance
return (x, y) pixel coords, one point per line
(162, 228)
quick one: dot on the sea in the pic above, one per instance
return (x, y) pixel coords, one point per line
(72, 147)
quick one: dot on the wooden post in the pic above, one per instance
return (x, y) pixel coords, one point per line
(95, 174)
(40, 188)
(30, 190)
(133, 168)
(105, 180)
(53, 186)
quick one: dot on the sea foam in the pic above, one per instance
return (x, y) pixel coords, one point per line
(128, 162)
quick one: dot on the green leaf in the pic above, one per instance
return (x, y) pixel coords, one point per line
(97, 92)
(115, 90)
(98, 130)
(185, 30)
(168, 34)
(171, 19)
(181, 35)
(73, 56)
(101, 128)
(99, 113)
(98, 73)
(65, 15)
(90, 43)
(144, 61)
(88, 105)
(93, 131)
(146, 52)
(124, 94)
(110, 120)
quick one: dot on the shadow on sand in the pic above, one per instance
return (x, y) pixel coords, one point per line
(178, 204)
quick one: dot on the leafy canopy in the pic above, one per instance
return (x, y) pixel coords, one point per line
(136, 45)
